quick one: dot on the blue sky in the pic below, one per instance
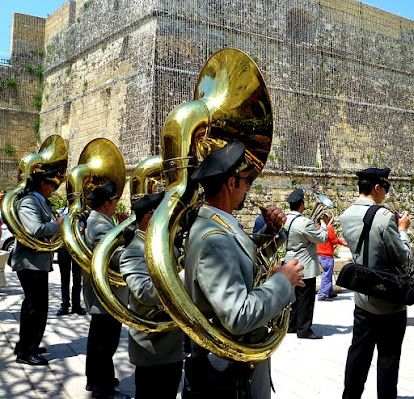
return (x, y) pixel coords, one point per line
(43, 8)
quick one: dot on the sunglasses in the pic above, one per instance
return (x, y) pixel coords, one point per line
(387, 187)
(249, 179)
(53, 184)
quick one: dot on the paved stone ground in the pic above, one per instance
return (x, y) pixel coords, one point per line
(301, 369)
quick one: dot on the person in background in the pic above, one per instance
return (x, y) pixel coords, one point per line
(66, 265)
(302, 239)
(258, 224)
(326, 259)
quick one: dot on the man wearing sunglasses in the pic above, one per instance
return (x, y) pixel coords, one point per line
(33, 267)
(219, 272)
(377, 322)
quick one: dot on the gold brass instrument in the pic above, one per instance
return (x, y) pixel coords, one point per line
(267, 257)
(144, 180)
(393, 209)
(231, 101)
(323, 205)
(53, 153)
(99, 162)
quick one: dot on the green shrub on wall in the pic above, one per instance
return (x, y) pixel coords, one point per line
(9, 149)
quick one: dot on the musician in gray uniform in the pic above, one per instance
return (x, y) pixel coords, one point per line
(301, 244)
(35, 213)
(219, 272)
(155, 355)
(104, 330)
(377, 322)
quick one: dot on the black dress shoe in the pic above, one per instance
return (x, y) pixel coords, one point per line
(41, 350)
(62, 311)
(89, 386)
(33, 360)
(79, 310)
(112, 395)
(312, 336)
(333, 296)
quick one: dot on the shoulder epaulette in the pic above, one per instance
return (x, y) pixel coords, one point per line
(134, 246)
(210, 233)
(140, 235)
(221, 222)
(104, 222)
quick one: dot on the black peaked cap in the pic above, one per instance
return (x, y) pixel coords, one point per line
(106, 192)
(148, 203)
(224, 161)
(295, 196)
(374, 174)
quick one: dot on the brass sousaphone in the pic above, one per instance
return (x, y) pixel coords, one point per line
(144, 180)
(231, 102)
(99, 163)
(52, 155)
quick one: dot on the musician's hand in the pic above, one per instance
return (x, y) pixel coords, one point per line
(292, 270)
(60, 220)
(403, 221)
(122, 216)
(325, 219)
(274, 218)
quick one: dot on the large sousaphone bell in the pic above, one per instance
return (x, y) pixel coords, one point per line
(52, 155)
(144, 180)
(231, 102)
(99, 162)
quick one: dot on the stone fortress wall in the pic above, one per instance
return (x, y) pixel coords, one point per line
(340, 75)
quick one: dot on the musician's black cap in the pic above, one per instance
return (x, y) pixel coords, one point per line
(106, 192)
(50, 176)
(227, 161)
(147, 204)
(295, 196)
(374, 175)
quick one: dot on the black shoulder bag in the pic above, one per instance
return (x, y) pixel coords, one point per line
(397, 286)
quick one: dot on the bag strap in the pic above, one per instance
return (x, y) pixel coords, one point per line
(368, 219)
(287, 233)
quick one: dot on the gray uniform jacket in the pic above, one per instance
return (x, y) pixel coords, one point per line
(387, 247)
(302, 242)
(153, 348)
(36, 217)
(97, 226)
(219, 270)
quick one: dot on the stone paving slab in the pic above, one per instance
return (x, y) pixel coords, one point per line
(301, 369)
